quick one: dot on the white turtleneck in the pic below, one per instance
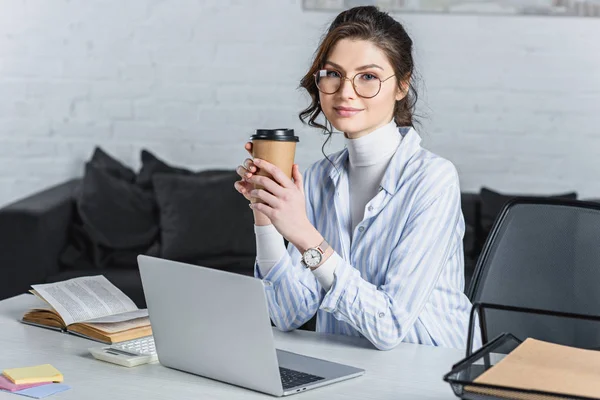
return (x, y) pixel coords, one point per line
(369, 157)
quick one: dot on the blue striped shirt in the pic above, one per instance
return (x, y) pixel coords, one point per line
(399, 275)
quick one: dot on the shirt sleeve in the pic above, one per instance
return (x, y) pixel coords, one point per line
(269, 247)
(293, 292)
(385, 314)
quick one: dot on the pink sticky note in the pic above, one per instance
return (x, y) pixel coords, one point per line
(5, 384)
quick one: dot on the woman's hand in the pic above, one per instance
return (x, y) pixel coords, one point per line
(243, 186)
(245, 171)
(283, 202)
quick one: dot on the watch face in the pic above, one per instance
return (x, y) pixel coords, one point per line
(312, 257)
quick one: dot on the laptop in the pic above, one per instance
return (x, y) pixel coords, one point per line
(216, 324)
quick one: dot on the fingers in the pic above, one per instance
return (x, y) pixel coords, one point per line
(268, 183)
(248, 147)
(265, 197)
(275, 172)
(244, 188)
(246, 169)
(298, 181)
(241, 171)
(263, 208)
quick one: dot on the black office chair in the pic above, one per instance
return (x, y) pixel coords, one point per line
(542, 254)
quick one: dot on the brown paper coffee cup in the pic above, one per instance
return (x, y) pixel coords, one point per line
(277, 146)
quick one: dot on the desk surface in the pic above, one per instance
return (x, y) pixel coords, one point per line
(407, 372)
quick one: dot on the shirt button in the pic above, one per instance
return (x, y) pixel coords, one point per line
(361, 229)
(267, 283)
(381, 315)
(370, 208)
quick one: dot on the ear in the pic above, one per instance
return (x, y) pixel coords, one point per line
(403, 87)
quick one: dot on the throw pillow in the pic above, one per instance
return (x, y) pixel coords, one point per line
(101, 160)
(117, 214)
(103, 232)
(492, 203)
(152, 165)
(116, 220)
(202, 216)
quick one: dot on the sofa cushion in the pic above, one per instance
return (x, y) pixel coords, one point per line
(492, 203)
(152, 165)
(116, 213)
(243, 265)
(115, 220)
(103, 161)
(203, 216)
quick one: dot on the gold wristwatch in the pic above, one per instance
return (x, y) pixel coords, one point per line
(313, 257)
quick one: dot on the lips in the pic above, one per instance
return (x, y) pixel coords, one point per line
(346, 111)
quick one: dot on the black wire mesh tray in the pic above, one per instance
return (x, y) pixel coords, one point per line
(463, 375)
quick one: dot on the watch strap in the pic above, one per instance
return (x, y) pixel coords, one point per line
(323, 247)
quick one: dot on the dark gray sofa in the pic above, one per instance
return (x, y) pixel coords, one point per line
(35, 230)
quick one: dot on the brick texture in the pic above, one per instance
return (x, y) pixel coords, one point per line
(512, 101)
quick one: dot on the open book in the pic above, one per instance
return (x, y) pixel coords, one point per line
(91, 307)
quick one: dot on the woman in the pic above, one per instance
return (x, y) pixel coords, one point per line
(375, 231)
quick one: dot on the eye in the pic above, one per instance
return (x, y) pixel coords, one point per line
(332, 74)
(368, 77)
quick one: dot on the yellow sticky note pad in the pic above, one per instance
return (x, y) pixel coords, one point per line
(39, 373)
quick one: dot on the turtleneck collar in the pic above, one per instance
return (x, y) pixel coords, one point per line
(374, 147)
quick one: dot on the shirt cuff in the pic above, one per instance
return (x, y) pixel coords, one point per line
(340, 288)
(325, 273)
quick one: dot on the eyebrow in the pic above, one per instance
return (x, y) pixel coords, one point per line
(358, 69)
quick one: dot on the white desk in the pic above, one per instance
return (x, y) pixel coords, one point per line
(407, 372)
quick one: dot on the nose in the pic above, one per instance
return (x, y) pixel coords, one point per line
(346, 90)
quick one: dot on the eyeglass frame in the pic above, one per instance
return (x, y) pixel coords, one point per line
(343, 78)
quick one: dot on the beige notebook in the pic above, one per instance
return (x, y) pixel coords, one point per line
(543, 366)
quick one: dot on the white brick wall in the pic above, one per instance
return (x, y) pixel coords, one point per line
(512, 101)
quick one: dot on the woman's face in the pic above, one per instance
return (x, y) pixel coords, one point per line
(348, 112)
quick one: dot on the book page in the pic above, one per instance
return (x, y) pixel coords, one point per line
(120, 326)
(84, 298)
(126, 316)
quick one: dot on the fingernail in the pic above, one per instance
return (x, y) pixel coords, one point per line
(250, 205)
(256, 161)
(248, 175)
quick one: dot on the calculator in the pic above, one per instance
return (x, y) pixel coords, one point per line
(128, 354)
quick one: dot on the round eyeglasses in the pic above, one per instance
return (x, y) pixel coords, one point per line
(365, 84)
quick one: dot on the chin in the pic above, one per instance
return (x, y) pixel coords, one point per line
(347, 125)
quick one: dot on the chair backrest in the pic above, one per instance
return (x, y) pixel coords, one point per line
(542, 254)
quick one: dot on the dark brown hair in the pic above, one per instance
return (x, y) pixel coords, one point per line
(366, 23)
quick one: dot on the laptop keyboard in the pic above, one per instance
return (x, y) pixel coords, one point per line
(291, 378)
